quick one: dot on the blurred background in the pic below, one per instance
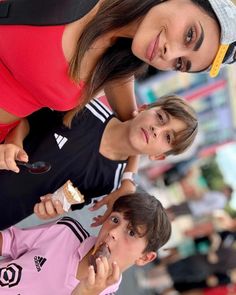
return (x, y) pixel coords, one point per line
(197, 189)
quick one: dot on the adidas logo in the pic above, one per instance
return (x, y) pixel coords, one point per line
(60, 140)
(39, 262)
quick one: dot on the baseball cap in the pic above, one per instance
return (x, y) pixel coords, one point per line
(225, 11)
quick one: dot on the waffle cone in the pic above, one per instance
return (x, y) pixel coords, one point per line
(69, 196)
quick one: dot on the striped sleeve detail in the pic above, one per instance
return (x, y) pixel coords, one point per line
(103, 106)
(75, 227)
(99, 110)
(119, 171)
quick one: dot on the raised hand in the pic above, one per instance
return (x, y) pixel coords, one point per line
(95, 283)
(8, 154)
(126, 188)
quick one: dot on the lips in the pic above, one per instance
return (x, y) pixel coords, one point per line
(146, 135)
(152, 48)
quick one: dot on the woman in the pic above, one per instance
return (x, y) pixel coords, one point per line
(64, 66)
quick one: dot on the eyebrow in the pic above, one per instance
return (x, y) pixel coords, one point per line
(166, 114)
(196, 47)
(200, 40)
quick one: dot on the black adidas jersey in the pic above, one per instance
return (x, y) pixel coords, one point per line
(73, 154)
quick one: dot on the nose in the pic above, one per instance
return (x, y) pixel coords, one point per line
(153, 131)
(114, 233)
(173, 51)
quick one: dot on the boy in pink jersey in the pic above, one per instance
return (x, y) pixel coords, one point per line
(61, 258)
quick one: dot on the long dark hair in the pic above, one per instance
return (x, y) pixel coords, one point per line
(118, 61)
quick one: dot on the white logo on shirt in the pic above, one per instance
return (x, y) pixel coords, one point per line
(60, 140)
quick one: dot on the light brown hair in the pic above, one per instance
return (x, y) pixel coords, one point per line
(179, 109)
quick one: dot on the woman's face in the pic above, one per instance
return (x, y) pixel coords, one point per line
(177, 35)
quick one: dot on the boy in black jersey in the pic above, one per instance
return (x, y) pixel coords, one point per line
(92, 153)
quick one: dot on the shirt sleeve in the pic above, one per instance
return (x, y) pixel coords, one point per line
(112, 289)
(17, 241)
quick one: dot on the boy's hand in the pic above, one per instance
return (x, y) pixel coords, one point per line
(126, 188)
(8, 154)
(95, 283)
(48, 208)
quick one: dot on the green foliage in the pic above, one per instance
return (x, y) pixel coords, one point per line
(212, 175)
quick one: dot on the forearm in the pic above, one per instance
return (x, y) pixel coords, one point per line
(121, 98)
(18, 134)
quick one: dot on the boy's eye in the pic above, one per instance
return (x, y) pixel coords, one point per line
(114, 219)
(131, 233)
(168, 138)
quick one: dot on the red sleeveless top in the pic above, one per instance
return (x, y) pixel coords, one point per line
(34, 71)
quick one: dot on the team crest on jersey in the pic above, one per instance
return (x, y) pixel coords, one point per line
(10, 275)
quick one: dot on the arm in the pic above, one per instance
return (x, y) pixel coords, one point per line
(12, 149)
(16, 241)
(116, 93)
(121, 98)
(17, 135)
(127, 187)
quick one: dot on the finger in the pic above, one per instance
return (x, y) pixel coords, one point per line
(22, 156)
(100, 270)
(91, 276)
(36, 210)
(41, 210)
(115, 275)
(45, 198)
(99, 220)
(105, 264)
(44, 211)
(10, 155)
(96, 221)
(50, 209)
(97, 205)
(58, 207)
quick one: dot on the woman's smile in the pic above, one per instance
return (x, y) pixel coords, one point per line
(153, 48)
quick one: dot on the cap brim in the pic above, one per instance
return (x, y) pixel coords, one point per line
(218, 60)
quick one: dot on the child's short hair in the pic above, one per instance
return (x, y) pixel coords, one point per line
(142, 209)
(179, 109)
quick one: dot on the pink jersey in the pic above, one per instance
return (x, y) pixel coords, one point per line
(34, 71)
(43, 260)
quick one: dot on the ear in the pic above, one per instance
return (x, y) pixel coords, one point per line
(146, 258)
(157, 157)
(142, 107)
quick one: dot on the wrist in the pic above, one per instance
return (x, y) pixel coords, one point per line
(128, 182)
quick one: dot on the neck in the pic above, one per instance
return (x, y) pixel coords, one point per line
(115, 144)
